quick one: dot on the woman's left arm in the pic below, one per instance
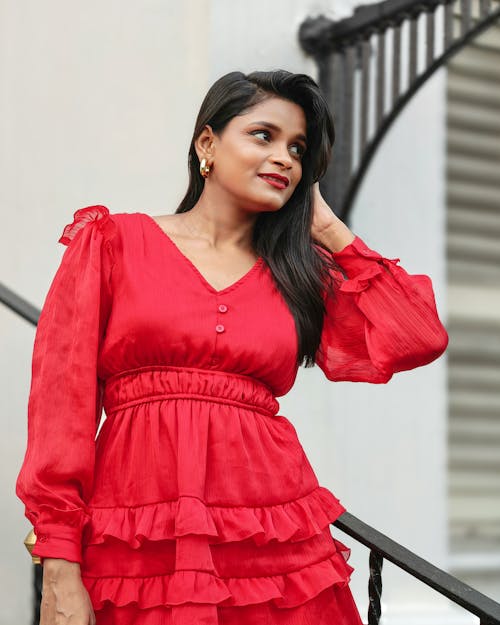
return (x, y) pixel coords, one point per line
(381, 319)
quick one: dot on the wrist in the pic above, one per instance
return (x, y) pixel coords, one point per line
(53, 567)
(336, 236)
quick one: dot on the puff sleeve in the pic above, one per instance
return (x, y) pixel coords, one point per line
(65, 398)
(380, 320)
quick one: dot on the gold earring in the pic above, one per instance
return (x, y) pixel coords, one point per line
(204, 168)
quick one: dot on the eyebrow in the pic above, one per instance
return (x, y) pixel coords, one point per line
(274, 127)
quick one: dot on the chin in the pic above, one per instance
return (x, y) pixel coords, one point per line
(273, 203)
(264, 202)
(270, 207)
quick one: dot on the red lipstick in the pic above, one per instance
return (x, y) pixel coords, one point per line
(275, 180)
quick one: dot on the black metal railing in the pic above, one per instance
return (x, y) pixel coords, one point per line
(380, 546)
(19, 305)
(353, 66)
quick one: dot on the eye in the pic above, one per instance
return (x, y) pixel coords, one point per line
(300, 149)
(265, 134)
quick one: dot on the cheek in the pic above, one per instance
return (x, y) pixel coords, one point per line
(295, 183)
(241, 163)
(297, 176)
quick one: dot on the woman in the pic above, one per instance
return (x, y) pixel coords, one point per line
(195, 503)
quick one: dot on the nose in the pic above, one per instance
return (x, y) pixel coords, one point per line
(282, 157)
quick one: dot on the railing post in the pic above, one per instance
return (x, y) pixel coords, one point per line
(376, 561)
(37, 592)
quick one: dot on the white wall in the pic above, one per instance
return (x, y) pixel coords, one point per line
(98, 106)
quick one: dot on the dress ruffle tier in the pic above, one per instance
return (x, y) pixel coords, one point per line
(284, 590)
(291, 521)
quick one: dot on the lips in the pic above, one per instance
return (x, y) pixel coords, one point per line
(281, 182)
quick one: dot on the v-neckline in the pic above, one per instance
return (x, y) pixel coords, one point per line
(195, 269)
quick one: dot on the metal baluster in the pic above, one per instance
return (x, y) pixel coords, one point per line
(365, 92)
(430, 22)
(396, 65)
(448, 24)
(350, 64)
(326, 79)
(465, 16)
(342, 147)
(413, 60)
(375, 587)
(37, 592)
(338, 116)
(380, 81)
(484, 7)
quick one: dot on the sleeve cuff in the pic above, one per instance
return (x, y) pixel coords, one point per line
(58, 542)
(356, 257)
(59, 533)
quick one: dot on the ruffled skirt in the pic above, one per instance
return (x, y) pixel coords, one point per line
(206, 511)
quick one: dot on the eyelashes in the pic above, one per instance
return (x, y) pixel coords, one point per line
(300, 148)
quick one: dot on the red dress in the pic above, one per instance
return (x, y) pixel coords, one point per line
(195, 503)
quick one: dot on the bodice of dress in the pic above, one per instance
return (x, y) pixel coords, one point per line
(163, 311)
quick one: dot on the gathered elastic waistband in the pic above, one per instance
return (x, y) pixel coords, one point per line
(160, 382)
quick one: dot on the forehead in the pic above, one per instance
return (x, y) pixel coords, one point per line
(288, 115)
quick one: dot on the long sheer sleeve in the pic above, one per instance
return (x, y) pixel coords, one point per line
(380, 319)
(64, 405)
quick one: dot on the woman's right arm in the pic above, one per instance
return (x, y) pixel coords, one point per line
(64, 408)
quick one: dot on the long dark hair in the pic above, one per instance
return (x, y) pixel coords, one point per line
(282, 237)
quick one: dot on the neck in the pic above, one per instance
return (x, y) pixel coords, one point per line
(220, 222)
